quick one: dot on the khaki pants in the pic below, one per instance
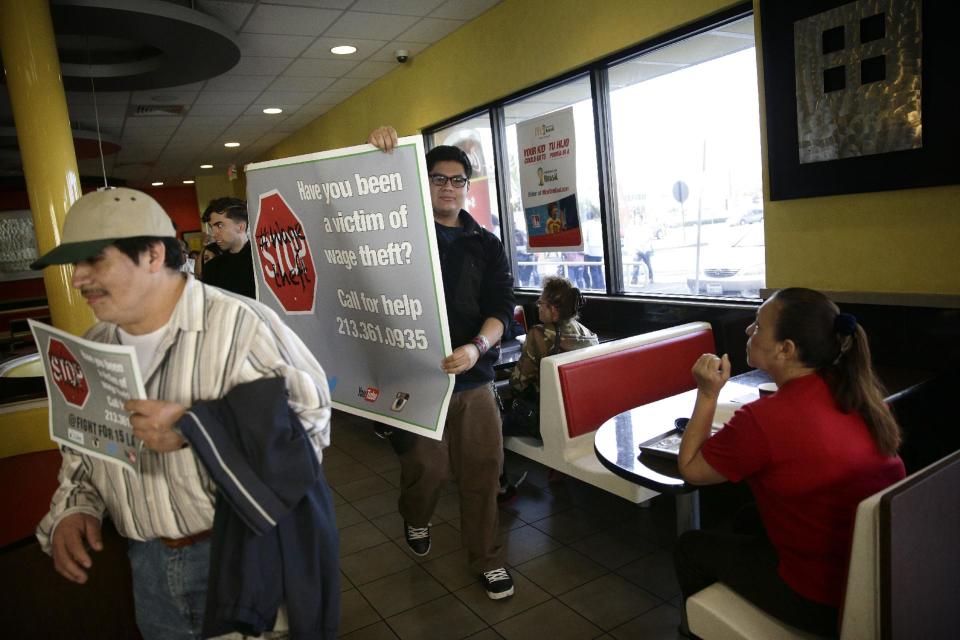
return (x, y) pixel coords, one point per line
(472, 453)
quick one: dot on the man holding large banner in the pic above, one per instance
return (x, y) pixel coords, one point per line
(478, 288)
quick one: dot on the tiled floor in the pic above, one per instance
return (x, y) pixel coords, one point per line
(586, 564)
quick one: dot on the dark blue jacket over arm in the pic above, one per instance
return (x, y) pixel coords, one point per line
(274, 535)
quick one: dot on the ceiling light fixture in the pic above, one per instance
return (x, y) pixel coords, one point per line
(272, 111)
(231, 145)
(188, 182)
(156, 184)
(206, 166)
(343, 50)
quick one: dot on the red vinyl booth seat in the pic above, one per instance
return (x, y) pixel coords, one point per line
(597, 389)
(581, 389)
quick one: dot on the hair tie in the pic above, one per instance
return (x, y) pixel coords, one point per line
(845, 324)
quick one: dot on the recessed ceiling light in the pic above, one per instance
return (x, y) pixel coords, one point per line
(343, 50)
(188, 182)
(272, 111)
(231, 145)
(206, 166)
(156, 184)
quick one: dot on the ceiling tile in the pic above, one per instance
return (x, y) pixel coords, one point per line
(231, 14)
(430, 30)
(331, 98)
(463, 9)
(217, 109)
(304, 83)
(402, 7)
(261, 120)
(321, 48)
(386, 54)
(206, 123)
(372, 26)
(145, 138)
(281, 98)
(238, 83)
(317, 4)
(154, 125)
(106, 97)
(372, 69)
(262, 44)
(271, 18)
(317, 67)
(243, 135)
(163, 96)
(226, 97)
(255, 66)
(349, 85)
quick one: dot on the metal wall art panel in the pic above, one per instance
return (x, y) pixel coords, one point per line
(858, 78)
(860, 96)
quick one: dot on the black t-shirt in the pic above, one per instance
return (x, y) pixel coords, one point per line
(232, 271)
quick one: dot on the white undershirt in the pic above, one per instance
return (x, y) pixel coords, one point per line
(145, 345)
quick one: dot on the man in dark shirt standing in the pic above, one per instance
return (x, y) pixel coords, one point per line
(233, 270)
(478, 288)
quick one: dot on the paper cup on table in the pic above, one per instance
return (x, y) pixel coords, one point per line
(767, 388)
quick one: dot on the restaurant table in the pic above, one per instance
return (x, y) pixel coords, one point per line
(617, 442)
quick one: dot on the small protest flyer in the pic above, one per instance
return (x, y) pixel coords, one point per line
(548, 182)
(345, 251)
(87, 384)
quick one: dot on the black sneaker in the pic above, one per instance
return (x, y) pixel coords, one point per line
(498, 583)
(418, 539)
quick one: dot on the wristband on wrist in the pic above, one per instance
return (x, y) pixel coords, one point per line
(481, 343)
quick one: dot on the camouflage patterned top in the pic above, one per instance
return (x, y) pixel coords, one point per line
(542, 341)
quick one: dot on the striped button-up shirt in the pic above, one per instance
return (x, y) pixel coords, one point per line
(213, 341)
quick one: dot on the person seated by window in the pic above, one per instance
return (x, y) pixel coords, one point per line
(558, 307)
(810, 453)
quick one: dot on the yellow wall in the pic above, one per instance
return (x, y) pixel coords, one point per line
(897, 241)
(211, 187)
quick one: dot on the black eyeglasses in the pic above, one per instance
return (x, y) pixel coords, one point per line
(440, 180)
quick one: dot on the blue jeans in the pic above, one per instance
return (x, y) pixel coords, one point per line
(169, 588)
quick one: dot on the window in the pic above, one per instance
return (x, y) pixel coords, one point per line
(585, 271)
(475, 138)
(681, 178)
(687, 165)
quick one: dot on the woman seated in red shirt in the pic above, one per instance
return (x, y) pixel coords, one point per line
(809, 453)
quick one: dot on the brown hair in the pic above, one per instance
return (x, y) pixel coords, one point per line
(836, 346)
(561, 293)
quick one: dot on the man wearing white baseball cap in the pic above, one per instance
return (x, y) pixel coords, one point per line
(193, 343)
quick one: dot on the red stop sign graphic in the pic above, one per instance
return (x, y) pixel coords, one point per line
(285, 255)
(67, 374)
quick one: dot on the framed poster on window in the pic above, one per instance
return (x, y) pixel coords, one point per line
(860, 96)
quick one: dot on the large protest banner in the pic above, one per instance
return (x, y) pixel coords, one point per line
(345, 251)
(87, 384)
(548, 181)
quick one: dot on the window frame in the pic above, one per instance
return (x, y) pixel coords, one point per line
(597, 72)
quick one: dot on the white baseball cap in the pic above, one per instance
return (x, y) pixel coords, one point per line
(100, 218)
